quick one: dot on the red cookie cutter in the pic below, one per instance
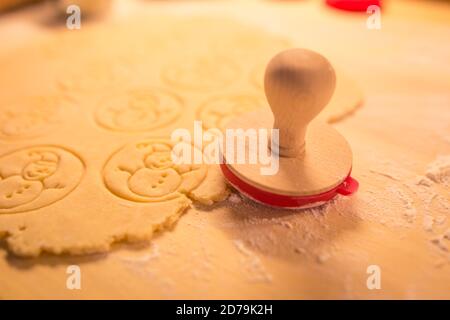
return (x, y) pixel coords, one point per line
(346, 188)
(353, 5)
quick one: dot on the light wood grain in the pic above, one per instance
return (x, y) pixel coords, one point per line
(298, 84)
(325, 163)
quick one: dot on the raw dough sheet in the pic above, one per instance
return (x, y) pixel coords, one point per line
(86, 118)
(399, 219)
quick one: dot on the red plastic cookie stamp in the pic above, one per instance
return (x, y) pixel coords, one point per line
(310, 161)
(353, 5)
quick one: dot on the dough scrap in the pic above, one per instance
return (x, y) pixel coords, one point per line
(83, 103)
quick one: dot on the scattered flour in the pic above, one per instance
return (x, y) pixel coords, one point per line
(204, 268)
(410, 210)
(323, 257)
(144, 258)
(287, 224)
(423, 181)
(428, 222)
(234, 198)
(253, 264)
(387, 175)
(439, 170)
(440, 243)
(443, 204)
(405, 199)
(439, 220)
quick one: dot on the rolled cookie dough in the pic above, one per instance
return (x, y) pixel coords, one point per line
(85, 121)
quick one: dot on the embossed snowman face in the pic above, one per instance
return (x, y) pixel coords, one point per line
(95, 76)
(39, 170)
(17, 124)
(32, 178)
(43, 165)
(15, 191)
(201, 72)
(218, 111)
(138, 110)
(28, 117)
(144, 172)
(154, 183)
(159, 160)
(133, 115)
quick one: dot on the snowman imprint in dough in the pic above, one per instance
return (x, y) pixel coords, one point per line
(28, 118)
(138, 109)
(218, 111)
(201, 72)
(35, 177)
(144, 172)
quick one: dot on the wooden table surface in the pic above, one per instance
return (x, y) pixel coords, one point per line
(240, 250)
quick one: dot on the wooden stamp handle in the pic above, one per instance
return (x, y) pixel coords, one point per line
(298, 84)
